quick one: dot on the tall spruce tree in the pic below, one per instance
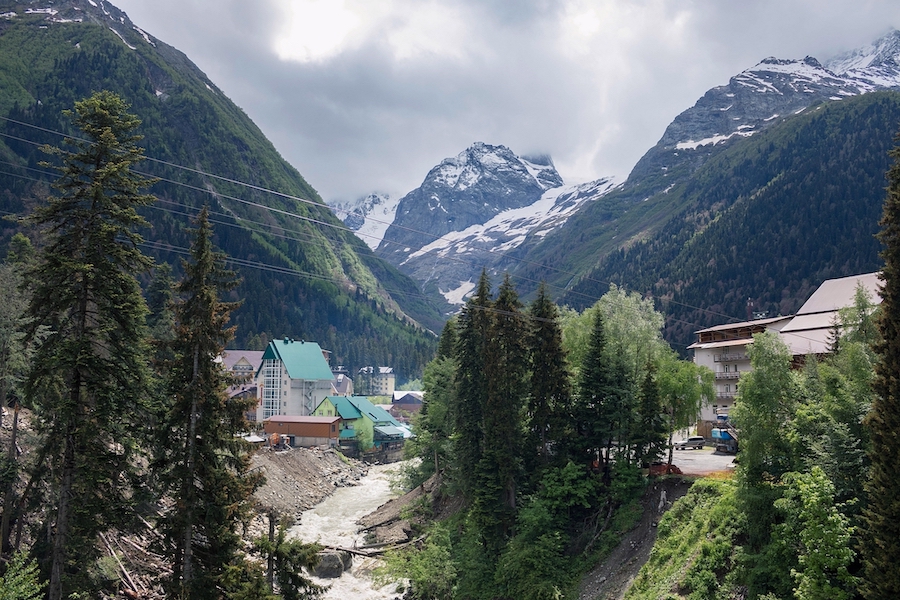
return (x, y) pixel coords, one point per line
(205, 463)
(650, 432)
(550, 395)
(14, 356)
(602, 386)
(881, 548)
(505, 370)
(88, 379)
(473, 332)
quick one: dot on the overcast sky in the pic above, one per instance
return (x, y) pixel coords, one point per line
(368, 95)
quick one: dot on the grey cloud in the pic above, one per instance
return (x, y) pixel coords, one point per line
(364, 120)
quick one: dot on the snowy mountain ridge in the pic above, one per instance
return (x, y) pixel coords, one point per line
(369, 216)
(778, 88)
(487, 207)
(458, 252)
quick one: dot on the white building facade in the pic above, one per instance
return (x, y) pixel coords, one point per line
(293, 379)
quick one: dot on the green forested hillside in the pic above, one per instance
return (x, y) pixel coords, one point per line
(304, 276)
(767, 220)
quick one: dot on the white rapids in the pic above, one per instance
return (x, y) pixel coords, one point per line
(332, 522)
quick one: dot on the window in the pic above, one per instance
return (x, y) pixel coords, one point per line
(271, 385)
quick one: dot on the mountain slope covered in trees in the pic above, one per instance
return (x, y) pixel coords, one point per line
(303, 274)
(766, 220)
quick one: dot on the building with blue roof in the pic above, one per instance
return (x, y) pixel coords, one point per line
(293, 378)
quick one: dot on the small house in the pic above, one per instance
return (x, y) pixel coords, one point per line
(362, 423)
(304, 430)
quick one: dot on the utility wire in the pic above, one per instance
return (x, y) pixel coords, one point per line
(332, 225)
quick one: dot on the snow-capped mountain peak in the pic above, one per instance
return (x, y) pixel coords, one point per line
(883, 51)
(481, 160)
(470, 212)
(770, 91)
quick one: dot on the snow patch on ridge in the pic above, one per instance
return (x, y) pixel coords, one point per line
(458, 294)
(510, 228)
(716, 139)
(123, 40)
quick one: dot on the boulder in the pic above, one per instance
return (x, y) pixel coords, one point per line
(331, 564)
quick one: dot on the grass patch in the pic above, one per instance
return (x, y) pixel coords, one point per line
(693, 554)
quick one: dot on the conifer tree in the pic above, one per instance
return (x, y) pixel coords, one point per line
(549, 398)
(600, 387)
(14, 355)
(447, 341)
(649, 437)
(88, 379)
(473, 331)
(505, 371)
(881, 548)
(205, 464)
(161, 320)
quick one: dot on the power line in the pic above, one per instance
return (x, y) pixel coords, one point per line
(334, 226)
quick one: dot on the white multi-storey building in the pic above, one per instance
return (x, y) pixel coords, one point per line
(293, 379)
(723, 348)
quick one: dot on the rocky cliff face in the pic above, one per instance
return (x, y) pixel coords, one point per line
(468, 189)
(369, 216)
(473, 212)
(771, 91)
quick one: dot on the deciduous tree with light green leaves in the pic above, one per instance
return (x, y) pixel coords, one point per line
(683, 388)
(21, 581)
(820, 536)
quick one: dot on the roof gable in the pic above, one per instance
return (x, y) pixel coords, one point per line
(835, 294)
(230, 358)
(375, 413)
(302, 360)
(344, 407)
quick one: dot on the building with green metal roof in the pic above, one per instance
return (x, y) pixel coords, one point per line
(293, 379)
(361, 420)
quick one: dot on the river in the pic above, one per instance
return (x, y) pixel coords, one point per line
(333, 522)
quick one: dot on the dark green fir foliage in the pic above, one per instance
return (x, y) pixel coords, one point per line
(505, 368)
(550, 395)
(650, 431)
(602, 391)
(89, 375)
(160, 296)
(14, 359)
(447, 342)
(288, 561)
(205, 465)
(881, 548)
(473, 332)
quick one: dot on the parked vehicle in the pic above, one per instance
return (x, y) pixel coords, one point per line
(725, 436)
(725, 439)
(695, 441)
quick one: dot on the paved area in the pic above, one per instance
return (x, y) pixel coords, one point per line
(702, 462)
